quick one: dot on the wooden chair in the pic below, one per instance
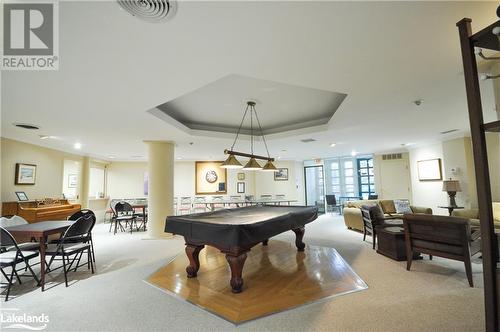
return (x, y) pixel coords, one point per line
(370, 224)
(443, 236)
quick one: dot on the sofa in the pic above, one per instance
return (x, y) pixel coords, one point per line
(473, 215)
(352, 211)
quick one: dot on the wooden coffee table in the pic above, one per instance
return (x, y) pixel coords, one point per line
(391, 243)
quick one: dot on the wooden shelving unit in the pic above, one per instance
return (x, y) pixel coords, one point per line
(490, 252)
(492, 126)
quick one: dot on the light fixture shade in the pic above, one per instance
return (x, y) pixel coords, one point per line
(252, 165)
(269, 167)
(451, 185)
(231, 162)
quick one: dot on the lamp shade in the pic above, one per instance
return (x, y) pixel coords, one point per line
(231, 162)
(451, 185)
(269, 167)
(252, 165)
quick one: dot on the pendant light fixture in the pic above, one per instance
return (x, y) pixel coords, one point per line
(252, 164)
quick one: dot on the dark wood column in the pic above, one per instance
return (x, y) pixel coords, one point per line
(488, 237)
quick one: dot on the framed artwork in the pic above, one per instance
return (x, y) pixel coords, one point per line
(281, 174)
(429, 170)
(21, 196)
(210, 178)
(240, 187)
(25, 174)
(72, 179)
(241, 176)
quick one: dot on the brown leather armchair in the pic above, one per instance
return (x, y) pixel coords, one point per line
(448, 237)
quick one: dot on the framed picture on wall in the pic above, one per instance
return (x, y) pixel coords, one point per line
(429, 170)
(21, 196)
(240, 188)
(210, 178)
(72, 179)
(25, 174)
(281, 174)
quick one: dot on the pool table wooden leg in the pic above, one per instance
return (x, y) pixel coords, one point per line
(236, 263)
(193, 251)
(299, 235)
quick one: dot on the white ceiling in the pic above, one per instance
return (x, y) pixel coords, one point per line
(114, 68)
(220, 106)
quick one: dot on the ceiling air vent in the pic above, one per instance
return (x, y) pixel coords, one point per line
(26, 126)
(308, 140)
(448, 131)
(150, 10)
(392, 156)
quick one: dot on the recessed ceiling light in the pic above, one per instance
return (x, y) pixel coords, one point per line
(279, 157)
(407, 144)
(26, 126)
(332, 145)
(353, 153)
(77, 145)
(111, 157)
(179, 158)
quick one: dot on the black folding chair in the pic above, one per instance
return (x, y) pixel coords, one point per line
(74, 251)
(13, 257)
(124, 212)
(87, 238)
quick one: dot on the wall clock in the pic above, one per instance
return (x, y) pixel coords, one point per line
(211, 176)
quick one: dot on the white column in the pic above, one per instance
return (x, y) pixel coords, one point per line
(85, 182)
(161, 186)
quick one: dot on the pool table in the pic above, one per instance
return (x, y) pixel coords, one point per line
(235, 231)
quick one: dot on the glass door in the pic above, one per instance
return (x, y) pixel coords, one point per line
(315, 187)
(366, 180)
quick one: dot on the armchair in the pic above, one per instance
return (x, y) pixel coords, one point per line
(447, 237)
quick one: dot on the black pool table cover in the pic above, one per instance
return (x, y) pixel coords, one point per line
(240, 226)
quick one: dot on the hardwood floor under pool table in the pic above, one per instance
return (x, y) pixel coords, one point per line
(235, 231)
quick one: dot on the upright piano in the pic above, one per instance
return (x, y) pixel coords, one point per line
(41, 210)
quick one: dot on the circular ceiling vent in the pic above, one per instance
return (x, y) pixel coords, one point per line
(26, 126)
(150, 10)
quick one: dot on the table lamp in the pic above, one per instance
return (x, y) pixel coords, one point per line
(451, 187)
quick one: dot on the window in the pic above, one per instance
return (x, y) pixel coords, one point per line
(365, 177)
(97, 182)
(341, 180)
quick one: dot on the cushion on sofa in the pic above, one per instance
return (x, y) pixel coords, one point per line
(387, 206)
(376, 213)
(402, 206)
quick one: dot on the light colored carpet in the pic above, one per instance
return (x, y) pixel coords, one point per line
(434, 296)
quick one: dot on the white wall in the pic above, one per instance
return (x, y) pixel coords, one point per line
(125, 180)
(49, 171)
(427, 193)
(493, 149)
(293, 188)
(457, 155)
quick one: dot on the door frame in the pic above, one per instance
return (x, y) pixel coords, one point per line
(305, 184)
